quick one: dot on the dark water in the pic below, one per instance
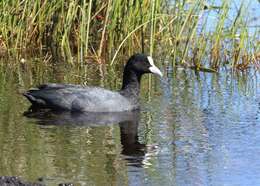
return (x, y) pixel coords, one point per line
(192, 130)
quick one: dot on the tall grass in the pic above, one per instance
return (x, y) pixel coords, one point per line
(99, 30)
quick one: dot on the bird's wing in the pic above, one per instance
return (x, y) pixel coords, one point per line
(56, 86)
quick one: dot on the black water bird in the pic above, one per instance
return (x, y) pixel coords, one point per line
(96, 99)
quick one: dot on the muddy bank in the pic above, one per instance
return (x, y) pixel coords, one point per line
(16, 181)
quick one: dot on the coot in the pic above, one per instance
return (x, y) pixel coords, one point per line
(95, 99)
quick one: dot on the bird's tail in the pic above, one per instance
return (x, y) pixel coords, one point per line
(35, 100)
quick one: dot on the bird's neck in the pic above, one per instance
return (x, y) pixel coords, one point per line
(131, 84)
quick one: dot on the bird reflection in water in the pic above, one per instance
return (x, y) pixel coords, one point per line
(132, 150)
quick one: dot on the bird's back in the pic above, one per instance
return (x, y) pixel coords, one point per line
(79, 98)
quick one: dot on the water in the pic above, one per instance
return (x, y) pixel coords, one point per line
(250, 14)
(192, 130)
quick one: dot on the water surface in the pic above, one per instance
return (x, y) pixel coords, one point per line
(193, 129)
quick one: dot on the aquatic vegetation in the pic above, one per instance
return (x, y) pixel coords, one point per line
(197, 34)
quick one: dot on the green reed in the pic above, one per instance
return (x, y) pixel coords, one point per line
(103, 30)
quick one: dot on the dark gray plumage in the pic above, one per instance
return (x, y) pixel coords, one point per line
(95, 99)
